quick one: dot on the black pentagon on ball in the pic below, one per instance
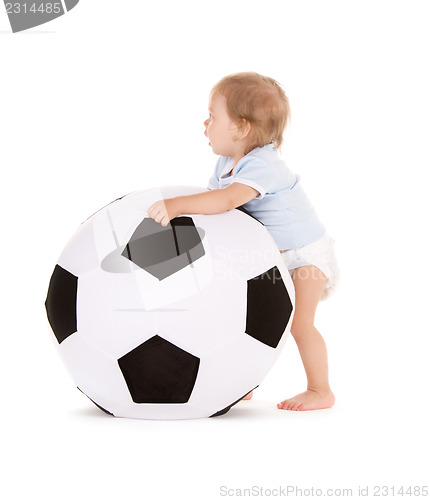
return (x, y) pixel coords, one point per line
(228, 408)
(269, 307)
(158, 371)
(241, 209)
(60, 303)
(98, 406)
(164, 250)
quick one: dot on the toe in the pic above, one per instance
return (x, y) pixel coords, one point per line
(290, 405)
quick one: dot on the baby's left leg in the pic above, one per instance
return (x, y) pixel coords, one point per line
(309, 283)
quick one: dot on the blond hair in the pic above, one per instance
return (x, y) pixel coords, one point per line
(258, 100)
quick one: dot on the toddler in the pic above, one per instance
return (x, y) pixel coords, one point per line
(248, 114)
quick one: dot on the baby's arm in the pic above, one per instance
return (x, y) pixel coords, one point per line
(215, 201)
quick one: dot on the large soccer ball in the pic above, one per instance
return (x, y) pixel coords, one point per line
(171, 322)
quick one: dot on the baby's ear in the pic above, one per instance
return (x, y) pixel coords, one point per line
(244, 128)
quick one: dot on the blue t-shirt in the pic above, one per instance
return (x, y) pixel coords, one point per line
(282, 205)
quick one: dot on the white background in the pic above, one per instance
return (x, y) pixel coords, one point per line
(111, 98)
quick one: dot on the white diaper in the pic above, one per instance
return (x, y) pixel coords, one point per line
(321, 254)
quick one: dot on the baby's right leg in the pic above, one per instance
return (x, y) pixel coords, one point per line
(309, 283)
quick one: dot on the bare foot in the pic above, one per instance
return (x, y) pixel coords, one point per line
(248, 396)
(308, 400)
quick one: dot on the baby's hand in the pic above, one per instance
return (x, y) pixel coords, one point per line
(163, 211)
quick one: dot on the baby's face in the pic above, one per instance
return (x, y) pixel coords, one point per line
(220, 130)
